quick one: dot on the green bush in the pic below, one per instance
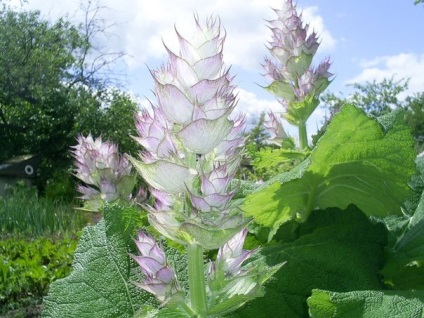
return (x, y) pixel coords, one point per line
(28, 267)
(61, 187)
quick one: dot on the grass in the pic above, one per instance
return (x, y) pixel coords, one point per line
(24, 213)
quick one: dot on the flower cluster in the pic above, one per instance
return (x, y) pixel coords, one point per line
(108, 175)
(192, 147)
(160, 278)
(294, 80)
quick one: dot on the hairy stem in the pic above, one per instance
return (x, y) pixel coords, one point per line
(303, 136)
(196, 278)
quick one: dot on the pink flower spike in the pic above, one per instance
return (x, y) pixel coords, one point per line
(293, 48)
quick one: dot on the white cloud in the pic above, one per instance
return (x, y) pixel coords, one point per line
(141, 25)
(403, 65)
(251, 105)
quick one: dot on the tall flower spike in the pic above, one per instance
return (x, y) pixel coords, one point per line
(189, 139)
(107, 174)
(159, 278)
(294, 80)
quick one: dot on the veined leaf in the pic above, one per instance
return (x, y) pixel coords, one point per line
(366, 304)
(404, 268)
(270, 158)
(358, 161)
(337, 250)
(100, 283)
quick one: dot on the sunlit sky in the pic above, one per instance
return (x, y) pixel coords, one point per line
(365, 40)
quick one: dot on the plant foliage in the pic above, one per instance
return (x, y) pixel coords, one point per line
(335, 250)
(28, 267)
(353, 163)
(354, 245)
(109, 292)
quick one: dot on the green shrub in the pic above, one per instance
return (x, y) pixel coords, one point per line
(61, 186)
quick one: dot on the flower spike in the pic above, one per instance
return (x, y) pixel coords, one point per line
(187, 136)
(295, 82)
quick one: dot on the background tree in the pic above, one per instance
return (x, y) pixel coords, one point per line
(379, 98)
(114, 120)
(93, 58)
(257, 136)
(414, 107)
(56, 84)
(34, 60)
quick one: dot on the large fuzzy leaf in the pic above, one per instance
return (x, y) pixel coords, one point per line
(337, 250)
(358, 161)
(100, 283)
(404, 268)
(269, 158)
(366, 304)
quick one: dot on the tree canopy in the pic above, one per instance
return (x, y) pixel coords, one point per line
(50, 91)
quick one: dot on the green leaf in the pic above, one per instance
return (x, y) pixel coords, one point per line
(358, 161)
(404, 268)
(268, 158)
(337, 250)
(366, 304)
(100, 283)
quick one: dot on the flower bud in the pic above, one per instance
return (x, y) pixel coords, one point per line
(231, 256)
(160, 279)
(231, 280)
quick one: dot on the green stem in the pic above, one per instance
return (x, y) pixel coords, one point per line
(196, 279)
(303, 136)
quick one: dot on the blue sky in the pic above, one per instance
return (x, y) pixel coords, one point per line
(365, 40)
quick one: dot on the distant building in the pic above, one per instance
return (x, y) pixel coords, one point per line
(18, 169)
